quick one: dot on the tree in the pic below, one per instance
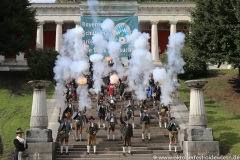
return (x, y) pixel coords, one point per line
(41, 63)
(18, 26)
(214, 28)
(195, 66)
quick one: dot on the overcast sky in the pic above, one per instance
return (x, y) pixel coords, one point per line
(42, 1)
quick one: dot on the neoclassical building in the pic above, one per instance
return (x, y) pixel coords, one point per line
(158, 19)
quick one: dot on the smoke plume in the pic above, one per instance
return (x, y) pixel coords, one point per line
(168, 76)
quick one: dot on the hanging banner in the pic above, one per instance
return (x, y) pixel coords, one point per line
(123, 27)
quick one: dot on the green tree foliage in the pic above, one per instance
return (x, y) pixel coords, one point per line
(17, 26)
(195, 66)
(41, 63)
(215, 31)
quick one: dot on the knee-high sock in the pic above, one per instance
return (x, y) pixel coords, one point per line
(170, 147)
(88, 149)
(149, 135)
(165, 125)
(99, 125)
(66, 148)
(129, 149)
(124, 149)
(160, 124)
(94, 149)
(133, 125)
(61, 147)
(175, 147)
(76, 135)
(103, 125)
(142, 135)
(80, 136)
(113, 136)
(108, 136)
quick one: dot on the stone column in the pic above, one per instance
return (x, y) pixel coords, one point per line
(77, 23)
(198, 140)
(173, 27)
(154, 41)
(197, 115)
(39, 40)
(39, 116)
(58, 41)
(38, 137)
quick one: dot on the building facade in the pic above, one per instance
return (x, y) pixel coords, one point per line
(158, 19)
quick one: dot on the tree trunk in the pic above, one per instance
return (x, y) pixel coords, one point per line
(238, 72)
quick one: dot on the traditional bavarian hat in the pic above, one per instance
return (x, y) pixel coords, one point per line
(19, 130)
(91, 118)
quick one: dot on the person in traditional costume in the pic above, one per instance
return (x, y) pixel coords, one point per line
(21, 146)
(63, 132)
(92, 130)
(127, 134)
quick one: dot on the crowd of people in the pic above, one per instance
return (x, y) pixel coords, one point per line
(107, 109)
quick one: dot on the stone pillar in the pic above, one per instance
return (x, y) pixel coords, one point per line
(173, 27)
(198, 140)
(77, 23)
(154, 41)
(38, 137)
(39, 116)
(58, 41)
(39, 41)
(197, 115)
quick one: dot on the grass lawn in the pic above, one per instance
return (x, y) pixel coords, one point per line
(15, 107)
(222, 102)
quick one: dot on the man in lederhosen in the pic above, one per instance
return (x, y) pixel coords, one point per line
(80, 120)
(163, 115)
(127, 133)
(112, 121)
(63, 131)
(173, 128)
(102, 111)
(92, 130)
(129, 107)
(21, 147)
(145, 119)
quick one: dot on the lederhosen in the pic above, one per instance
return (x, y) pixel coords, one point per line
(146, 123)
(172, 132)
(63, 135)
(78, 122)
(127, 134)
(91, 136)
(101, 113)
(112, 124)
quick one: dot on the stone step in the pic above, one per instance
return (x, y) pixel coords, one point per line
(118, 155)
(119, 148)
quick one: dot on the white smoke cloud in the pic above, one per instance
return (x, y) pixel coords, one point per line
(140, 64)
(114, 52)
(72, 62)
(167, 77)
(84, 100)
(92, 7)
(100, 43)
(100, 70)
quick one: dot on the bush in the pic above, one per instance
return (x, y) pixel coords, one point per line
(41, 63)
(195, 65)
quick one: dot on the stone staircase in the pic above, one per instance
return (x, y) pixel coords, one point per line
(147, 150)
